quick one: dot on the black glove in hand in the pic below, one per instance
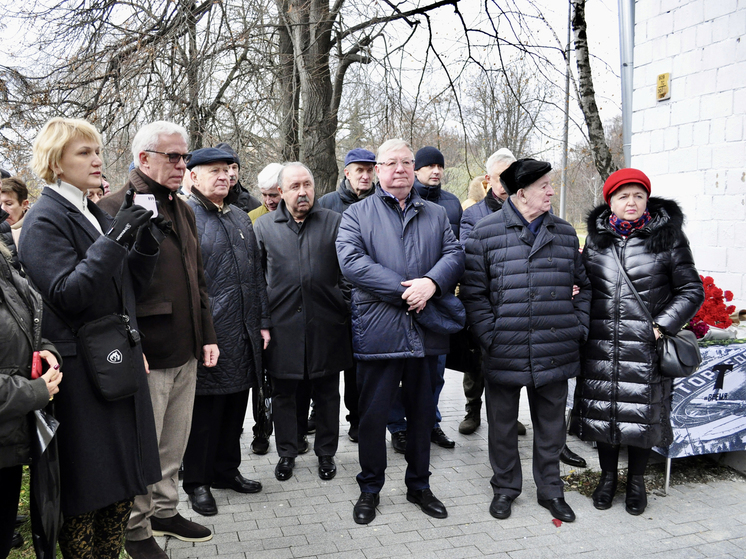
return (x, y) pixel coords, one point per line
(149, 237)
(128, 221)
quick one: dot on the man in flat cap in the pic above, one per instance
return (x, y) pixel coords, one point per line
(239, 195)
(521, 266)
(240, 314)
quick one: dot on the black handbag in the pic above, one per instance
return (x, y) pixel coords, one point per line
(110, 352)
(678, 356)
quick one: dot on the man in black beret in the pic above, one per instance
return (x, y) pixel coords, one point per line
(238, 195)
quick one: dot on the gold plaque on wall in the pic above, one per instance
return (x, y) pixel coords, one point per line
(662, 90)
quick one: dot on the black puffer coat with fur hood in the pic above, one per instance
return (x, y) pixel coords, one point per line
(620, 397)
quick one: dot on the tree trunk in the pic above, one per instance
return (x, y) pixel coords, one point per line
(599, 148)
(289, 93)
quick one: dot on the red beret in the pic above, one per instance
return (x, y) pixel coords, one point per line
(623, 177)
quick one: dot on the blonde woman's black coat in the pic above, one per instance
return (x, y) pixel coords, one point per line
(620, 397)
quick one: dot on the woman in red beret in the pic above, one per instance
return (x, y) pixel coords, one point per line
(621, 397)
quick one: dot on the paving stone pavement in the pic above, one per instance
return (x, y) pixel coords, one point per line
(306, 517)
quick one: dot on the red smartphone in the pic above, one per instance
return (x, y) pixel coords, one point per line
(36, 365)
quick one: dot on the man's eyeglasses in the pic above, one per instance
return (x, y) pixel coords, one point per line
(173, 157)
(394, 163)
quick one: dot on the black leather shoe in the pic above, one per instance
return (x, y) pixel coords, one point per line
(302, 444)
(312, 422)
(399, 441)
(260, 445)
(568, 457)
(439, 437)
(521, 429)
(500, 507)
(559, 509)
(327, 467)
(353, 432)
(239, 484)
(17, 541)
(284, 468)
(429, 504)
(365, 509)
(21, 520)
(637, 498)
(203, 502)
(603, 496)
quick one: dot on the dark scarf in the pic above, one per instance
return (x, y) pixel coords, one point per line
(534, 225)
(624, 227)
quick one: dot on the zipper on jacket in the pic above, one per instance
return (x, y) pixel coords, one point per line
(615, 358)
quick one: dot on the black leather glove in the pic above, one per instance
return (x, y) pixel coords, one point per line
(128, 221)
(150, 237)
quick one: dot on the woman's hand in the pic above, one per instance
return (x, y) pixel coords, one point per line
(53, 376)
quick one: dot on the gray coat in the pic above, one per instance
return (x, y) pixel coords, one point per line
(310, 319)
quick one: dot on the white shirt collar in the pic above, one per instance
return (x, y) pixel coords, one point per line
(77, 198)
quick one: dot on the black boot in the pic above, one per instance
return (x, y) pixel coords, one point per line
(605, 491)
(637, 498)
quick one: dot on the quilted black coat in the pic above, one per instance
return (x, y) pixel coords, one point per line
(620, 397)
(238, 296)
(517, 290)
(342, 198)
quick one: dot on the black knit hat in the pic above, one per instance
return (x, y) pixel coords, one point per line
(428, 156)
(226, 147)
(523, 173)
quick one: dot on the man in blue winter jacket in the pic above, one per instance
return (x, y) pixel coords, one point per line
(401, 257)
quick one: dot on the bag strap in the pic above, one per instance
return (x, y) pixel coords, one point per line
(631, 286)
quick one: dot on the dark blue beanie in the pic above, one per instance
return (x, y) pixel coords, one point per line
(428, 156)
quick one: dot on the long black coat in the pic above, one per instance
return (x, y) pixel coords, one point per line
(238, 296)
(342, 198)
(108, 450)
(517, 290)
(310, 319)
(620, 397)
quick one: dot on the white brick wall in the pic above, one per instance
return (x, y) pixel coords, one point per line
(693, 145)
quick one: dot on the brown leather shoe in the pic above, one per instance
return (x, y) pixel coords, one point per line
(144, 549)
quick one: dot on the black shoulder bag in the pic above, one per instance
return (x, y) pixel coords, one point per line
(678, 356)
(110, 351)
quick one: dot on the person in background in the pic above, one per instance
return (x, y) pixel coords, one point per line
(400, 255)
(13, 200)
(522, 264)
(105, 186)
(267, 183)
(240, 314)
(95, 194)
(239, 195)
(475, 193)
(85, 266)
(310, 329)
(357, 184)
(621, 398)
(174, 316)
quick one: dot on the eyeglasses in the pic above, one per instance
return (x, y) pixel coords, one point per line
(173, 157)
(395, 163)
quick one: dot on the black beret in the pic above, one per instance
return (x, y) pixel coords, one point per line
(229, 149)
(523, 173)
(209, 155)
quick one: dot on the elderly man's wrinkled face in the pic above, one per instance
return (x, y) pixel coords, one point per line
(395, 172)
(211, 179)
(536, 198)
(158, 167)
(233, 173)
(361, 177)
(271, 198)
(494, 179)
(629, 202)
(430, 175)
(297, 190)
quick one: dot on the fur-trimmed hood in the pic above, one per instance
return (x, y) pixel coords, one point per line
(667, 223)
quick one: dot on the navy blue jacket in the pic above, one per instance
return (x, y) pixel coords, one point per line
(443, 198)
(517, 291)
(238, 296)
(342, 198)
(108, 450)
(476, 212)
(379, 246)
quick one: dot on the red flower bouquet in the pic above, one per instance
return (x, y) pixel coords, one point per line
(713, 311)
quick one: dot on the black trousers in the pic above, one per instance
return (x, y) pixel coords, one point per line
(213, 452)
(352, 396)
(378, 382)
(473, 384)
(10, 490)
(291, 419)
(547, 405)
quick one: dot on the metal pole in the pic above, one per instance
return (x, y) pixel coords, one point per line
(627, 55)
(566, 129)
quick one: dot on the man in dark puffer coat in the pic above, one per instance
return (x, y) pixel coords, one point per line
(659, 263)
(521, 265)
(240, 314)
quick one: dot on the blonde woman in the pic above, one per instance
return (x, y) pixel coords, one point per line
(86, 265)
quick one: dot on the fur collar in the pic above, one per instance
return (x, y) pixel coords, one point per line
(662, 233)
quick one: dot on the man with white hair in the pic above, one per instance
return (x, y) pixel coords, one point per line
(174, 317)
(403, 261)
(267, 183)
